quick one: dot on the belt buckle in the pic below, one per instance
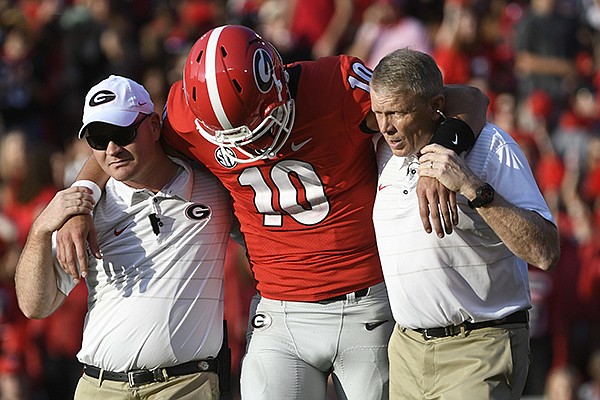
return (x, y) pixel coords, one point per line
(130, 378)
(131, 375)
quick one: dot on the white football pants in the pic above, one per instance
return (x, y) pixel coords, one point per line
(293, 347)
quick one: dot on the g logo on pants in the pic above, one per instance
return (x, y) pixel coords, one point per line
(261, 321)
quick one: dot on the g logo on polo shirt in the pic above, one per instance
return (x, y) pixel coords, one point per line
(197, 212)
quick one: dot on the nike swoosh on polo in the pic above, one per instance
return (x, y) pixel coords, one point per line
(118, 232)
(455, 141)
(296, 147)
(372, 325)
(381, 187)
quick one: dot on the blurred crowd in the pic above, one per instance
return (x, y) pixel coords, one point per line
(537, 60)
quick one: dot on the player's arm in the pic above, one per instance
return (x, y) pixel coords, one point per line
(465, 111)
(79, 231)
(35, 278)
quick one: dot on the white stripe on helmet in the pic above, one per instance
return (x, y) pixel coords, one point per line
(211, 82)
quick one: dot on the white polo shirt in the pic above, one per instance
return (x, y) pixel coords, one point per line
(469, 275)
(156, 299)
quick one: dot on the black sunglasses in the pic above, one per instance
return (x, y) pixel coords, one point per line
(119, 136)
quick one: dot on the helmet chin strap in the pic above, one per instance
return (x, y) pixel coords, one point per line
(279, 87)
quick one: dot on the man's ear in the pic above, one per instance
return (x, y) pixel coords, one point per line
(155, 124)
(437, 108)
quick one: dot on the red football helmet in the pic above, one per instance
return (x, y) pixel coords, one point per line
(235, 85)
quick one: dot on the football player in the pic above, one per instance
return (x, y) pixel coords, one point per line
(293, 144)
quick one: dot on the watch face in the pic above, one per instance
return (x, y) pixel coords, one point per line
(487, 193)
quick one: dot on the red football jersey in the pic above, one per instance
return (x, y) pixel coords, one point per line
(306, 215)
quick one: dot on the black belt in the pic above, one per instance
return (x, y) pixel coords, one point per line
(347, 296)
(519, 317)
(143, 376)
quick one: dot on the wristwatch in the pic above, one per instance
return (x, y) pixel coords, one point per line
(484, 195)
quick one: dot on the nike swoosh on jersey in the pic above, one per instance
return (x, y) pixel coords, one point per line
(296, 147)
(381, 187)
(455, 141)
(372, 325)
(118, 232)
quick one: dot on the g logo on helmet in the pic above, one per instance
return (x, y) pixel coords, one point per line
(263, 70)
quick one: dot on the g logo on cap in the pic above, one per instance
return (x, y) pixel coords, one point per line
(102, 97)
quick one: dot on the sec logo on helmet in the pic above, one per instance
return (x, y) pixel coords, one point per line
(263, 70)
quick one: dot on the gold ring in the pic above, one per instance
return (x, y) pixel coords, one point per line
(432, 165)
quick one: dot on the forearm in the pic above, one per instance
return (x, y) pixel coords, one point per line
(467, 103)
(92, 171)
(526, 233)
(37, 293)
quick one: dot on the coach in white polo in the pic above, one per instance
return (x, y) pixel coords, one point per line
(155, 308)
(459, 301)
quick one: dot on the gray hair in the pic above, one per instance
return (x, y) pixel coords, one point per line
(408, 70)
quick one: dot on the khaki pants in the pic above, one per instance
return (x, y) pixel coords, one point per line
(487, 363)
(200, 386)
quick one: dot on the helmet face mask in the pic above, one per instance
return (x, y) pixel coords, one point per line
(264, 141)
(235, 85)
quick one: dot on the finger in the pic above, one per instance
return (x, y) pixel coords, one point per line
(434, 209)
(66, 258)
(454, 208)
(423, 207)
(445, 208)
(82, 259)
(82, 242)
(435, 148)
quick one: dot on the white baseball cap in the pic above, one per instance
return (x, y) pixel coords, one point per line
(116, 101)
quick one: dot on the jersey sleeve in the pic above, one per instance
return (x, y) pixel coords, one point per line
(343, 83)
(178, 122)
(356, 77)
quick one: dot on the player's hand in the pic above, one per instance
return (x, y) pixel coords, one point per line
(437, 204)
(65, 204)
(71, 242)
